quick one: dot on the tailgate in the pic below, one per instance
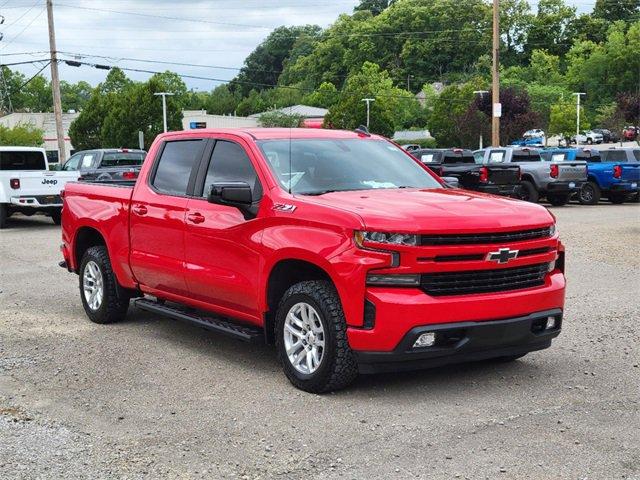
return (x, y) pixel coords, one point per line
(631, 172)
(44, 185)
(504, 174)
(572, 171)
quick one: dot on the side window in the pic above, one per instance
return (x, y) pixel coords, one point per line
(175, 166)
(230, 163)
(73, 163)
(87, 160)
(636, 154)
(479, 156)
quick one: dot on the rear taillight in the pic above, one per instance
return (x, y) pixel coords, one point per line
(130, 175)
(617, 171)
(14, 183)
(484, 174)
(554, 171)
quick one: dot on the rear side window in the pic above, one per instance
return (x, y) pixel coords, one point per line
(636, 154)
(519, 157)
(175, 166)
(230, 163)
(22, 161)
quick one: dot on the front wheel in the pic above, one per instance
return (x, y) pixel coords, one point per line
(589, 194)
(557, 199)
(311, 338)
(589, 141)
(104, 301)
(4, 214)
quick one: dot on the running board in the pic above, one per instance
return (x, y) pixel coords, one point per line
(246, 333)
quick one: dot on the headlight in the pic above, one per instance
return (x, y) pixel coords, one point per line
(386, 238)
(393, 280)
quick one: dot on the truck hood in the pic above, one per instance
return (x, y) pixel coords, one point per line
(437, 210)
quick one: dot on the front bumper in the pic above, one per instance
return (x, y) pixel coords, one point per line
(504, 190)
(565, 187)
(465, 342)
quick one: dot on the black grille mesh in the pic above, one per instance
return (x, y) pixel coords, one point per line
(480, 238)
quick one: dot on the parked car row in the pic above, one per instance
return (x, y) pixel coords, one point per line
(554, 174)
(27, 185)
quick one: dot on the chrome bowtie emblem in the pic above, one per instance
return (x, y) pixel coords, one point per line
(502, 256)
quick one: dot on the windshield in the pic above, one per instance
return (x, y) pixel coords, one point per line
(325, 165)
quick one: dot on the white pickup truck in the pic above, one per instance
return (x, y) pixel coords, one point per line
(27, 186)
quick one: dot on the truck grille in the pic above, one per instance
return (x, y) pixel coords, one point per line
(469, 239)
(484, 281)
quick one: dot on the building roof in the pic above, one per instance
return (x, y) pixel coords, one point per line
(305, 111)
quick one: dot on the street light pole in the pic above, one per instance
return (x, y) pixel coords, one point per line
(578, 95)
(481, 93)
(164, 107)
(368, 101)
(496, 110)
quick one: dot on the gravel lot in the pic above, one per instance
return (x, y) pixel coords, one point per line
(153, 398)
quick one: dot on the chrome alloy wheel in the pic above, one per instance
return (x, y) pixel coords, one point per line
(93, 285)
(304, 338)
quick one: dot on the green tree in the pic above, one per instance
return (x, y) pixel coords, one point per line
(22, 135)
(280, 119)
(550, 28)
(370, 82)
(376, 7)
(74, 95)
(617, 10)
(221, 101)
(563, 119)
(252, 103)
(325, 96)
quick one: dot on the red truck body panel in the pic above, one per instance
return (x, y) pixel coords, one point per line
(222, 262)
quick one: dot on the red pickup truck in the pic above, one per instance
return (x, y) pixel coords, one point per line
(339, 247)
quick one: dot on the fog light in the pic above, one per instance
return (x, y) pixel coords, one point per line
(551, 267)
(425, 340)
(551, 323)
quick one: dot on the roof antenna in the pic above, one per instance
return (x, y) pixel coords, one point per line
(362, 130)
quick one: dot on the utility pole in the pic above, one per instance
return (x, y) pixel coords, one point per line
(496, 112)
(578, 95)
(55, 86)
(481, 93)
(368, 101)
(164, 107)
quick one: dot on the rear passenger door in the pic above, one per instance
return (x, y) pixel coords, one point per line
(221, 242)
(157, 219)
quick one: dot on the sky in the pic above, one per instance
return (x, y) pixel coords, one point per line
(141, 34)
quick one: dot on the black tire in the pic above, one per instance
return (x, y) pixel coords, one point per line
(558, 199)
(617, 198)
(590, 193)
(634, 198)
(56, 216)
(528, 192)
(589, 141)
(115, 299)
(338, 367)
(3, 216)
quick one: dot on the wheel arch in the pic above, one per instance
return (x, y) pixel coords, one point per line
(284, 273)
(85, 238)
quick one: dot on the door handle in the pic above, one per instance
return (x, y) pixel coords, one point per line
(139, 209)
(195, 218)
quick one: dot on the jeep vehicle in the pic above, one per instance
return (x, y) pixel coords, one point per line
(339, 247)
(542, 176)
(110, 164)
(27, 186)
(499, 179)
(614, 173)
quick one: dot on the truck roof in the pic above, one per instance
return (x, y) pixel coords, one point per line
(21, 149)
(282, 133)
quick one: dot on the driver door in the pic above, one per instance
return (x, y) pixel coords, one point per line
(221, 241)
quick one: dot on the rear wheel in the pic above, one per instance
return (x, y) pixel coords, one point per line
(4, 214)
(104, 301)
(311, 338)
(56, 216)
(617, 198)
(558, 199)
(589, 194)
(528, 192)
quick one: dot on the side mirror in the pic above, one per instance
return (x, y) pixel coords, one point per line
(237, 194)
(452, 182)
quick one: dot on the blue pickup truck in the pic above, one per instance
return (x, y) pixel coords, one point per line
(612, 173)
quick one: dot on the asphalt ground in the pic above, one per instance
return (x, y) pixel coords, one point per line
(152, 398)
